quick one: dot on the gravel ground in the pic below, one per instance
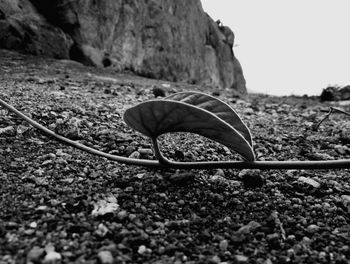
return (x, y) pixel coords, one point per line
(61, 205)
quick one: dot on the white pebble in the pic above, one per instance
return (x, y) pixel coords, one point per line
(223, 245)
(142, 250)
(241, 259)
(313, 228)
(52, 257)
(105, 257)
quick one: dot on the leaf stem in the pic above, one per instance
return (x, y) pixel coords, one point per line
(164, 163)
(328, 164)
(158, 153)
(340, 111)
(269, 165)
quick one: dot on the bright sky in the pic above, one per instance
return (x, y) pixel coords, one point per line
(288, 46)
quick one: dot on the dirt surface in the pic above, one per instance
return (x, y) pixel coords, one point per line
(61, 205)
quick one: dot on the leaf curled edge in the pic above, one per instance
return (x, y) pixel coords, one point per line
(215, 106)
(156, 117)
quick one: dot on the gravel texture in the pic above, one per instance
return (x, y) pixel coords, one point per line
(61, 205)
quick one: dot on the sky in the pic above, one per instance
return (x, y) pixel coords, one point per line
(288, 47)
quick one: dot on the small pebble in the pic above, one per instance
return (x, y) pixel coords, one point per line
(29, 232)
(181, 202)
(345, 249)
(268, 261)
(252, 178)
(145, 152)
(215, 259)
(182, 178)
(135, 155)
(102, 230)
(216, 93)
(227, 150)
(129, 189)
(309, 181)
(35, 254)
(42, 208)
(161, 250)
(322, 256)
(273, 240)
(346, 202)
(51, 156)
(312, 228)
(291, 239)
(248, 111)
(319, 156)
(223, 245)
(33, 225)
(142, 250)
(290, 252)
(52, 257)
(179, 155)
(129, 150)
(249, 228)
(241, 259)
(8, 131)
(105, 257)
(132, 217)
(220, 173)
(158, 92)
(306, 240)
(122, 215)
(342, 150)
(140, 175)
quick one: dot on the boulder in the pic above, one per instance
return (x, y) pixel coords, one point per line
(162, 39)
(329, 94)
(345, 93)
(333, 93)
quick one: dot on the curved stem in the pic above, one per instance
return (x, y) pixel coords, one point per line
(323, 119)
(165, 163)
(331, 110)
(299, 165)
(269, 165)
(131, 161)
(158, 153)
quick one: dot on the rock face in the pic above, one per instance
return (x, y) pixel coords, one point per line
(23, 28)
(163, 39)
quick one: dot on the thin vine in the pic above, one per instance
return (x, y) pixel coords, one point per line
(164, 163)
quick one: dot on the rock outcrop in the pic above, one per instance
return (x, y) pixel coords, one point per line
(163, 39)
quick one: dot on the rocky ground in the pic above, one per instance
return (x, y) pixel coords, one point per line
(61, 205)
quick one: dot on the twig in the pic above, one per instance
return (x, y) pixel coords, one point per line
(324, 118)
(340, 111)
(331, 110)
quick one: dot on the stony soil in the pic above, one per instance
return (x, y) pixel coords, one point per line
(61, 205)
